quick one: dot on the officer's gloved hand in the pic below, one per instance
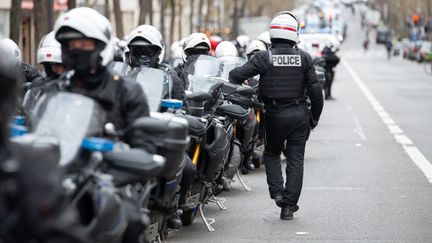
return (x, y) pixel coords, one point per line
(313, 123)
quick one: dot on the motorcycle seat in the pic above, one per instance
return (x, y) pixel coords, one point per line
(232, 111)
(196, 128)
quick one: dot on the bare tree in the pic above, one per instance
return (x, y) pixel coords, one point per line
(162, 18)
(191, 18)
(71, 4)
(235, 22)
(40, 11)
(207, 18)
(150, 11)
(15, 20)
(200, 7)
(172, 23)
(118, 18)
(107, 10)
(180, 17)
(143, 12)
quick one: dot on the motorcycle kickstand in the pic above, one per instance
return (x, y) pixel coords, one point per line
(218, 201)
(246, 187)
(207, 221)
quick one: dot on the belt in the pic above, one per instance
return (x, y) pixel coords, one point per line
(288, 101)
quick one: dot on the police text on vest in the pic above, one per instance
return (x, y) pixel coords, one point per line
(286, 60)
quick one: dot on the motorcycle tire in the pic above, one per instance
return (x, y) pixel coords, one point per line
(234, 162)
(188, 216)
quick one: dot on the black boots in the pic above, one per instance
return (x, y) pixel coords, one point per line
(174, 221)
(286, 214)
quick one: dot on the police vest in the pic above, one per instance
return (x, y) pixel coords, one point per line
(285, 79)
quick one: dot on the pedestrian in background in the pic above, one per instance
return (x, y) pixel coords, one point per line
(389, 47)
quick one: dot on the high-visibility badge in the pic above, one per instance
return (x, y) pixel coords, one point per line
(286, 60)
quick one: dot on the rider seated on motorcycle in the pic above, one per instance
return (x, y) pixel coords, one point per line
(194, 44)
(87, 49)
(32, 199)
(49, 55)
(146, 49)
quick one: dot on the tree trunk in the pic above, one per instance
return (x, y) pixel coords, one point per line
(207, 18)
(107, 10)
(118, 18)
(71, 4)
(162, 18)
(243, 9)
(40, 11)
(172, 23)
(234, 28)
(199, 14)
(191, 18)
(143, 12)
(150, 11)
(15, 21)
(180, 17)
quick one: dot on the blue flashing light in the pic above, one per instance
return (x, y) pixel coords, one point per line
(19, 120)
(98, 144)
(18, 130)
(170, 103)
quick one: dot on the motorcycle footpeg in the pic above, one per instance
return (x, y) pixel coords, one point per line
(151, 232)
(191, 202)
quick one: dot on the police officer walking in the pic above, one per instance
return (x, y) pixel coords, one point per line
(287, 78)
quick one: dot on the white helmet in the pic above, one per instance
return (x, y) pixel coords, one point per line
(195, 41)
(85, 22)
(264, 37)
(49, 49)
(243, 40)
(10, 63)
(285, 25)
(226, 48)
(150, 34)
(255, 45)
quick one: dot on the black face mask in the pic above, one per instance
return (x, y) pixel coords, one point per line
(81, 61)
(49, 71)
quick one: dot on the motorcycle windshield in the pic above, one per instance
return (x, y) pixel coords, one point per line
(203, 66)
(69, 118)
(204, 84)
(229, 63)
(155, 83)
(119, 68)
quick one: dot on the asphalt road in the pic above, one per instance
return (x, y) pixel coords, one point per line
(362, 180)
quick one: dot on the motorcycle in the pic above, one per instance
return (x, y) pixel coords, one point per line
(171, 139)
(73, 125)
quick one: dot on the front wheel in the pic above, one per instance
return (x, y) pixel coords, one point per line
(194, 197)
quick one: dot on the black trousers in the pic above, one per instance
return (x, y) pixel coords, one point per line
(287, 129)
(329, 75)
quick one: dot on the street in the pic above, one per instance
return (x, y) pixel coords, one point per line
(367, 168)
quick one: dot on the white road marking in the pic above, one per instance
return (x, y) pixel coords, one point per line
(359, 128)
(421, 161)
(403, 139)
(413, 152)
(395, 129)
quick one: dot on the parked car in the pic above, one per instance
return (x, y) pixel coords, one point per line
(424, 49)
(383, 33)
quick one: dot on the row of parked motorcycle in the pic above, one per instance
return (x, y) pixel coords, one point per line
(122, 193)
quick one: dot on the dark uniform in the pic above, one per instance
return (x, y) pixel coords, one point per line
(287, 77)
(123, 100)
